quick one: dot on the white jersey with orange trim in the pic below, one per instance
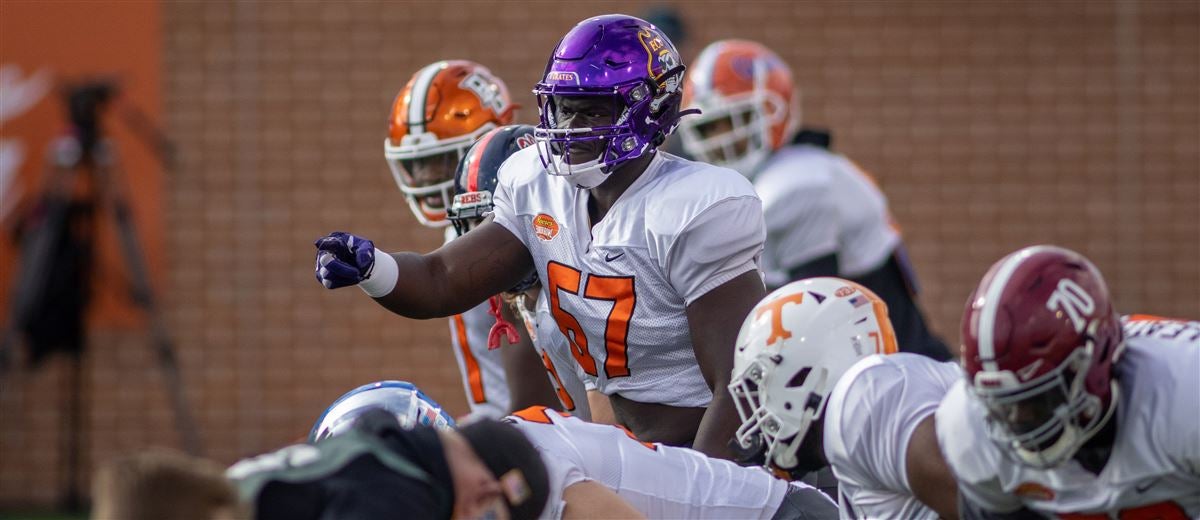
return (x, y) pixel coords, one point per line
(482, 370)
(817, 202)
(566, 376)
(1154, 468)
(619, 290)
(659, 481)
(872, 413)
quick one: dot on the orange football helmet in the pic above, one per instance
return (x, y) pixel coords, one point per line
(441, 111)
(750, 105)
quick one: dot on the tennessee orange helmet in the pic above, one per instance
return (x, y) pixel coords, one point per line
(750, 105)
(441, 111)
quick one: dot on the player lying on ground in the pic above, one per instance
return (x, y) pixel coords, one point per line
(1066, 410)
(601, 471)
(375, 468)
(649, 261)
(813, 390)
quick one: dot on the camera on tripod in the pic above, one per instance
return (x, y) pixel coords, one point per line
(85, 102)
(50, 293)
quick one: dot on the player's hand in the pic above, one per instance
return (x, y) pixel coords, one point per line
(344, 259)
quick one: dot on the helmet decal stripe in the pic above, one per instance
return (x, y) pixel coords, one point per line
(477, 153)
(420, 91)
(991, 300)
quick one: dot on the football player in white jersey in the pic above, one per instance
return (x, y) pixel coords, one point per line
(658, 481)
(825, 216)
(475, 183)
(444, 108)
(1064, 410)
(601, 471)
(649, 261)
(813, 390)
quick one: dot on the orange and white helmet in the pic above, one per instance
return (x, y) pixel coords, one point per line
(791, 351)
(441, 111)
(750, 105)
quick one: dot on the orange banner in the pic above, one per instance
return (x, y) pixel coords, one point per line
(46, 47)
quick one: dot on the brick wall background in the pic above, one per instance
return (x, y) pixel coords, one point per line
(989, 125)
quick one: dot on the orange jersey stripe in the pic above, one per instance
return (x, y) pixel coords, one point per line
(474, 377)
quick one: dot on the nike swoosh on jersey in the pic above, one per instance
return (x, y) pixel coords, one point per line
(1142, 487)
(614, 257)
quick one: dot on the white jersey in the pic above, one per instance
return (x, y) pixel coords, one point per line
(1154, 468)
(816, 203)
(872, 413)
(482, 370)
(566, 376)
(619, 290)
(659, 481)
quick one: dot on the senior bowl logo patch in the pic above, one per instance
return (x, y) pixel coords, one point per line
(545, 227)
(844, 291)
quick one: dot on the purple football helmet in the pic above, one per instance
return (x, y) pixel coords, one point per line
(619, 57)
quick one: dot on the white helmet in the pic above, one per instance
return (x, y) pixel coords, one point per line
(791, 351)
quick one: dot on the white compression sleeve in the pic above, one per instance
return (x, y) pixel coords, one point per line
(383, 277)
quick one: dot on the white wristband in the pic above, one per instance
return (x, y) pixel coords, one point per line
(383, 277)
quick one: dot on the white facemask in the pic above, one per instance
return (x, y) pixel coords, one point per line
(585, 175)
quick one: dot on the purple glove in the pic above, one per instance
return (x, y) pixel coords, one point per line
(344, 259)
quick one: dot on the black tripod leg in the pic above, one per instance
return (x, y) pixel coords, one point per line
(73, 441)
(144, 298)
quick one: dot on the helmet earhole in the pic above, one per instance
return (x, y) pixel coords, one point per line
(799, 378)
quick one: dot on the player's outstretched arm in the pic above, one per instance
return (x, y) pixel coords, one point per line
(930, 477)
(450, 280)
(714, 320)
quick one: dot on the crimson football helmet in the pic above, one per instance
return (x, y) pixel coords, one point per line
(444, 108)
(1040, 338)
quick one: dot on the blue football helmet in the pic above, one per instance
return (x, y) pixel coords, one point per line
(403, 399)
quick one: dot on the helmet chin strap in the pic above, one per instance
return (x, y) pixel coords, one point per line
(590, 174)
(1072, 438)
(586, 175)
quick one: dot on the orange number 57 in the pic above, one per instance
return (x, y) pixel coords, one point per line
(616, 289)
